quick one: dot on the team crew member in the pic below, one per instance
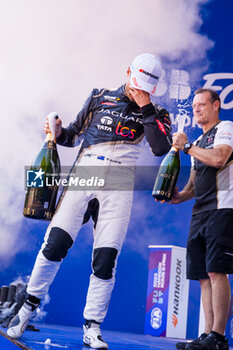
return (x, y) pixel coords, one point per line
(210, 241)
(114, 125)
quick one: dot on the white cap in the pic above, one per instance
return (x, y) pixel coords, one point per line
(145, 72)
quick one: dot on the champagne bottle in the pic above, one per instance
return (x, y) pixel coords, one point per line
(167, 176)
(41, 193)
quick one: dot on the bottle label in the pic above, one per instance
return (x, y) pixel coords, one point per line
(38, 213)
(163, 193)
(48, 215)
(28, 212)
(167, 176)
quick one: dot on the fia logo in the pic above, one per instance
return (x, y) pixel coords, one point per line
(156, 318)
(35, 178)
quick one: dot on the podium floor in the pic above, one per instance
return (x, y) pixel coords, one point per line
(63, 337)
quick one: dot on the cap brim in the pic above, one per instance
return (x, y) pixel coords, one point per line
(139, 84)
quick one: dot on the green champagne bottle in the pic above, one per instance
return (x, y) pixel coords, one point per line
(41, 197)
(167, 176)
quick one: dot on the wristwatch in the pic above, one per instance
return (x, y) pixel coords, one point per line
(187, 147)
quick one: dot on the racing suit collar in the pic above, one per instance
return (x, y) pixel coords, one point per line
(122, 90)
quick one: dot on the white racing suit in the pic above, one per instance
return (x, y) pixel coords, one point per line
(113, 130)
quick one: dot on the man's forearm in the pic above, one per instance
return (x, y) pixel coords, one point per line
(186, 194)
(214, 157)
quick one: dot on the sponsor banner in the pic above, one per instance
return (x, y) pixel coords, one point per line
(167, 292)
(178, 295)
(158, 290)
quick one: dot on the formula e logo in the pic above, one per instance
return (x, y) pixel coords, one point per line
(125, 131)
(156, 318)
(106, 120)
(35, 178)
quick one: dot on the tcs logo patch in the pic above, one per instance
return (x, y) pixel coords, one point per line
(125, 131)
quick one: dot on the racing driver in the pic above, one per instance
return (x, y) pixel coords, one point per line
(114, 125)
